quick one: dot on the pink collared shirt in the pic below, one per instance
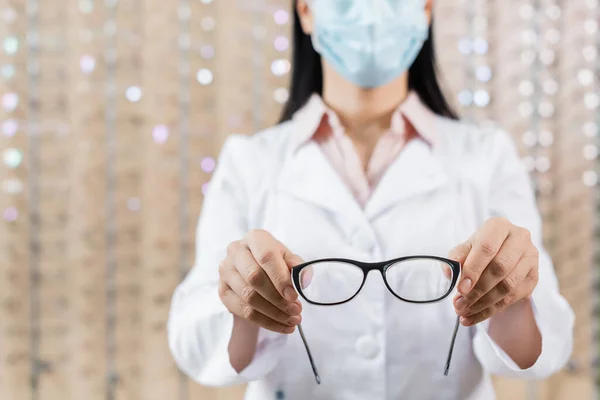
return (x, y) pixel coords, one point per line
(317, 122)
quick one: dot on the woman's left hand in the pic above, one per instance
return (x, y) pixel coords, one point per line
(499, 269)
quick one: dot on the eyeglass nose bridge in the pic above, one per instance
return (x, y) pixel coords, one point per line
(367, 268)
(378, 266)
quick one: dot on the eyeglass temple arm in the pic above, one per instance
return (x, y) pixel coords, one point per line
(310, 358)
(451, 346)
(314, 368)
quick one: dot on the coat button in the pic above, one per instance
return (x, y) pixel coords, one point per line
(367, 347)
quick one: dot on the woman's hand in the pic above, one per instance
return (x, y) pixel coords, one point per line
(255, 283)
(499, 269)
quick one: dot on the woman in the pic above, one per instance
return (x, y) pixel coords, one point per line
(369, 163)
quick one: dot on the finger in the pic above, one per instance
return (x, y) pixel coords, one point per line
(506, 291)
(499, 269)
(257, 279)
(268, 252)
(237, 307)
(486, 244)
(479, 317)
(292, 259)
(532, 277)
(527, 287)
(490, 311)
(250, 296)
(460, 252)
(306, 276)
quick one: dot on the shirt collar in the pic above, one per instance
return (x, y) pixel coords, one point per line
(315, 115)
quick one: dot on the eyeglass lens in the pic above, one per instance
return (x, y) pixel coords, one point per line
(330, 282)
(421, 279)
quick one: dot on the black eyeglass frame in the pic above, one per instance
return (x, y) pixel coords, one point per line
(382, 267)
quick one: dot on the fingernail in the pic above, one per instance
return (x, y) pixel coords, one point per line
(295, 320)
(465, 286)
(460, 303)
(293, 309)
(289, 293)
(289, 329)
(465, 321)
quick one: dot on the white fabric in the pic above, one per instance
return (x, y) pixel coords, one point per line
(376, 347)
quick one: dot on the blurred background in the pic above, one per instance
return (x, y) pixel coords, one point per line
(112, 113)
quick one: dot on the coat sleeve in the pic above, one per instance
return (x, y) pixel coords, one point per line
(512, 197)
(199, 326)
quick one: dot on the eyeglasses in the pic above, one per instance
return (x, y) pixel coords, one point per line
(416, 279)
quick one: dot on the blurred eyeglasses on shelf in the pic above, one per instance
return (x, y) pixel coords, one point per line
(415, 279)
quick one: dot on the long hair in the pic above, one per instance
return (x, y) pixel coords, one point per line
(307, 75)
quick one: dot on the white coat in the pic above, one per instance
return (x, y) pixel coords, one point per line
(375, 347)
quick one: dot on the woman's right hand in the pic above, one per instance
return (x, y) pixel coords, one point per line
(255, 282)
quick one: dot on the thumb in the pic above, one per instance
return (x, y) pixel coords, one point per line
(460, 252)
(292, 259)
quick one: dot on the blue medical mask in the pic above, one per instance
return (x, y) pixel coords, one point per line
(369, 42)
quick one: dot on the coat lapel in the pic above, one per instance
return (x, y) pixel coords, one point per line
(418, 169)
(309, 176)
